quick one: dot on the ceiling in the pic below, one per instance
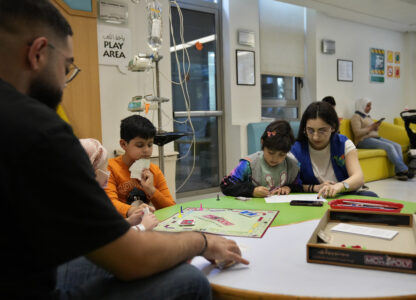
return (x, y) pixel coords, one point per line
(398, 15)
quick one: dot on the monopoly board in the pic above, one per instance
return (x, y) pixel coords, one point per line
(233, 222)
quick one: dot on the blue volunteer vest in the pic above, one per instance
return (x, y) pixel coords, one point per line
(301, 151)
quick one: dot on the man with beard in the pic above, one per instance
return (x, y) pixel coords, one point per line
(52, 208)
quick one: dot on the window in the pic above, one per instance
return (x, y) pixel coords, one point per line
(200, 22)
(280, 97)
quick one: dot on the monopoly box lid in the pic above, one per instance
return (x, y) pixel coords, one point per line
(365, 239)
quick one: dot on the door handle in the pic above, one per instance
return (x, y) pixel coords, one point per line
(198, 113)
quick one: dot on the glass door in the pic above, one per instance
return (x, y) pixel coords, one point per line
(203, 157)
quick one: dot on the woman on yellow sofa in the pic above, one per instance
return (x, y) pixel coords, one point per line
(366, 136)
(328, 160)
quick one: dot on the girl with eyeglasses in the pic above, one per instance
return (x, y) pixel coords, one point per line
(328, 160)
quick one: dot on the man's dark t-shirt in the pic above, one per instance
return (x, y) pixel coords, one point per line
(52, 209)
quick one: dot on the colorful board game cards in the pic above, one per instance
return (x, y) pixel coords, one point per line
(248, 213)
(187, 223)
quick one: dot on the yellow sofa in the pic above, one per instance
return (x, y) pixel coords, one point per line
(374, 162)
(400, 122)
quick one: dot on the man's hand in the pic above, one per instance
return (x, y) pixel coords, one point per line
(222, 249)
(260, 192)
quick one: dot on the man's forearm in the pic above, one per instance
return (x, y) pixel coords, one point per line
(141, 254)
(168, 249)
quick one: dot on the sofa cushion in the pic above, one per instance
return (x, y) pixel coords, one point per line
(400, 122)
(345, 129)
(367, 153)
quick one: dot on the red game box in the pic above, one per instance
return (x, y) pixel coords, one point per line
(366, 205)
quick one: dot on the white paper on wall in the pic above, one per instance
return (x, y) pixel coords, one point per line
(114, 46)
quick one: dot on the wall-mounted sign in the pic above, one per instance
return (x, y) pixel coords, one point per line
(247, 38)
(376, 65)
(390, 57)
(344, 70)
(396, 57)
(397, 72)
(389, 71)
(246, 67)
(328, 47)
(114, 46)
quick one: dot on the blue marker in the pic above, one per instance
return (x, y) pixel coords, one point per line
(181, 209)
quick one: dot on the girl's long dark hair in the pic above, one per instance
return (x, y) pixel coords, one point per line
(317, 110)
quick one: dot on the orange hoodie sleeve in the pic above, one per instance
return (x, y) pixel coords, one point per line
(161, 197)
(111, 191)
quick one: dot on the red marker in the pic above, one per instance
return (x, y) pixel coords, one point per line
(261, 218)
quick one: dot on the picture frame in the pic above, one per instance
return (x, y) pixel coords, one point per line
(246, 67)
(344, 70)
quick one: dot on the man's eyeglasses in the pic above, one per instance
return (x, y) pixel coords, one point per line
(320, 131)
(71, 71)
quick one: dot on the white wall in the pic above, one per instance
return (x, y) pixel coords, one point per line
(241, 103)
(353, 42)
(409, 75)
(117, 89)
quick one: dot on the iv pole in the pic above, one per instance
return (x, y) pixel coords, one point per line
(160, 138)
(157, 58)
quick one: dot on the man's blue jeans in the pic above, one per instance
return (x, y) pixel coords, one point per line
(394, 151)
(81, 279)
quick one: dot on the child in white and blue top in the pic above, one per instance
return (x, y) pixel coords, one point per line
(267, 172)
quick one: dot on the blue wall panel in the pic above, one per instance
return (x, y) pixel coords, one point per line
(84, 5)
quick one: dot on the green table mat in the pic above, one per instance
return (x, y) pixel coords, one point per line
(287, 214)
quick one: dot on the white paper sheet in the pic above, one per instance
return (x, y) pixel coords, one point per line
(363, 230)
(137, 167)
(290, 197)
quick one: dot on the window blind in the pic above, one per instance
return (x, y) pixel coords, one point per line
(282, 38)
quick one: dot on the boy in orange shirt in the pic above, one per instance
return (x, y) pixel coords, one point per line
(137, 134)
(99, 161)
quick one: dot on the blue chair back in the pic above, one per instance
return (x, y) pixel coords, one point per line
(255, 131)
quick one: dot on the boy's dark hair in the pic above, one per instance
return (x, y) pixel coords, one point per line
(278, 136)
(330, 100)
(17, 16)
(136, 126)
(315, 110)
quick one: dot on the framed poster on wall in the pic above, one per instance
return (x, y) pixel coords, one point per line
(245, 67)
(344, 70)
(376, 65)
